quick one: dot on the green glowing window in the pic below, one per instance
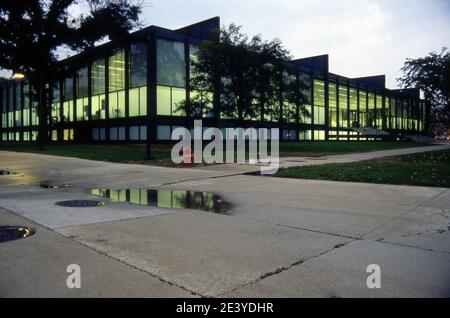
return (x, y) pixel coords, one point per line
(319, 93)
(117, 71)
(353, 99)
(98, 77)
(164, 100)
(138, 101)
(170, 101)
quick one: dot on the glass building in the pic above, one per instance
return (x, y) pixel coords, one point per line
(131, 91)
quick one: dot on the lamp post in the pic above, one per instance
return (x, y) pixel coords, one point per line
(18, 76)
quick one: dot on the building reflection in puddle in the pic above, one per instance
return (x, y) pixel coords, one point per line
(7, 173)
(162, 198)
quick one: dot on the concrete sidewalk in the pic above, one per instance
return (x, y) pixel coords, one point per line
(289, 162)
(282, 238)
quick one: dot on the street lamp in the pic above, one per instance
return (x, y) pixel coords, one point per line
(18, 75)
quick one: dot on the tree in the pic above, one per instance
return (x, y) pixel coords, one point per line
(32, 31)
(270, 59)
(244, 74)
(431, 74)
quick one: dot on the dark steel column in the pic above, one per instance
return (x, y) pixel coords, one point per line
(327, 107)
(151, 94)
(107, 119)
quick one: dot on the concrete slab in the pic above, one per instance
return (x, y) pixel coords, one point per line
(440, 202)
(405, 272)
(426, 228)
(274, 226)
(209, 254)
(348, 209)
(90, 173)
(36, 267)
(39, 205)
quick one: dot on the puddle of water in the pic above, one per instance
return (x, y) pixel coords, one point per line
(173, 199)
(257, 173)
(54, 186)
(9, 233)
(80, 204)
(316, 158)
(6, 173)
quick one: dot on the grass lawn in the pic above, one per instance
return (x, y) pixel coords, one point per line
(161, 153)
(113, 153)
(428, 169)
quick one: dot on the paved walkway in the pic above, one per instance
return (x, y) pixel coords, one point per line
(288, 162)
(282, 237)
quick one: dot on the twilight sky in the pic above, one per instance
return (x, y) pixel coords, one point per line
(364, 37)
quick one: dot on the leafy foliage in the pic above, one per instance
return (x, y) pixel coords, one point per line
(431, 74)
(241, 74)
(32, 31)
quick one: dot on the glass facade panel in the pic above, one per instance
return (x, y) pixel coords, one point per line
(343, 106)
(164, 101)
(56, 103)
(305, 135)
(170, 63)
(319, 102)
(354, 116)
(362, 109)
(405, 114)
(26, 104)
(319, 135)
(138, 101)
(170, 101)
(82, 109)
(4, 111)
(117, 104)
(392, 113)
(193, 57)
(379, 111)
(116, 70)
(18, 105)
(138, 64)
(332, 102)
(178, 101)
(68, 109)
(98, 107)
(306, 90)
(138, 80)
(398, 114)
(68, 135)
(34, 108)
(371, 110)
(204, 104)
(98, 77)
(82, 82)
